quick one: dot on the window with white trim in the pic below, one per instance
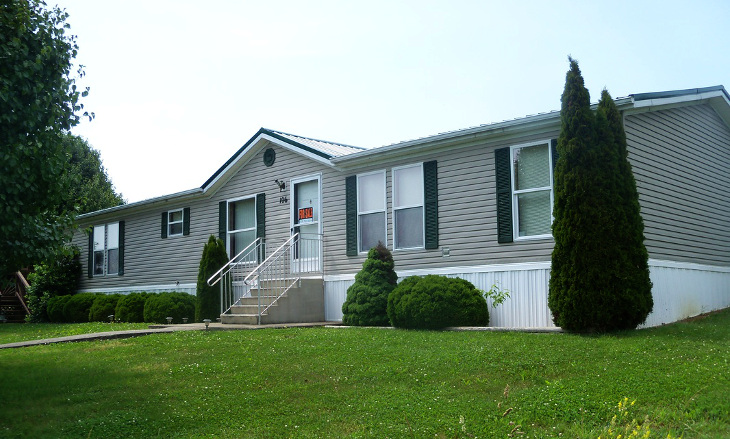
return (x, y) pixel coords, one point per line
(532, 190)
(408, 206)
(106, 249)
(241, 224)
(175, 222)
(371, 217)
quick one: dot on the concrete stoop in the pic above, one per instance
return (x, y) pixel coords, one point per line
(303, 303)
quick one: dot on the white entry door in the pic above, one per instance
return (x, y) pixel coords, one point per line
(307, 221)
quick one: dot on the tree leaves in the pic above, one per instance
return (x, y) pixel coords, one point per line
(37, 108)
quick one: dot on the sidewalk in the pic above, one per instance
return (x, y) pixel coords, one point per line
(154, 329)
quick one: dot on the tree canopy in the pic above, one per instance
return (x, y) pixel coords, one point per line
(39, 102)
(88, 187)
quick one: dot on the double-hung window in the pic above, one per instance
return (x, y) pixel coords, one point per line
(408, 206)
(371, 218)
(532, 190)
(241, 224)
(106, 249)
(175, 222)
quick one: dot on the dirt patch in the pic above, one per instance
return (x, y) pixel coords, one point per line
(702, 316)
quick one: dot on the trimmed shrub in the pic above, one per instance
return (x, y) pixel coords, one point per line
(55, 307)
(103, 306)
(58, 277)
(176, 305)
(367, 298)
(208, 300)
(435, 302)
(76, 310)
(130, 308)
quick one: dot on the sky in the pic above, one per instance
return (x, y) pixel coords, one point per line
(177, 87)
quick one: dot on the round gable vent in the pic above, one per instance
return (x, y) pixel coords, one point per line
(269, 157)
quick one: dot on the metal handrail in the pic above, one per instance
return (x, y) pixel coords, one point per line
(272, 278)
(235, 260)
(267, 261)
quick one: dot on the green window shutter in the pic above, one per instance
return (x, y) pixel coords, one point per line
(431, 204)
(163, 225)
(351, 215)
(222, 223)
(261, 215)
(504, 194)
(554, 153)
(91, 253)
(186, 221)
(121, 248)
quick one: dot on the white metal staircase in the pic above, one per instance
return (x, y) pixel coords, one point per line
(286, 287)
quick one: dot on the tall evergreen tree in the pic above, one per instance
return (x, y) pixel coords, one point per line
(592, 286)
(208, 300)
(631, 299)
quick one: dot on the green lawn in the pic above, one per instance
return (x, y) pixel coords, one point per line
(15, 332)
(373, 383)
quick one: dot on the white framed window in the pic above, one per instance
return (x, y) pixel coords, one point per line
(532, 190)
(175, 222)
(371, 212)
(106, 249)
(241, 224)
(408, 207)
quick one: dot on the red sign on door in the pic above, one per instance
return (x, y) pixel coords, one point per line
(306, 213)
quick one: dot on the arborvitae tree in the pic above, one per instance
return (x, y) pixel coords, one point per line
(367, 298)
(569, 297)
(208, 303)
(632, 298)
(591, 288)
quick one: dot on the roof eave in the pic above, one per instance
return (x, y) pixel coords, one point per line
(144, 204)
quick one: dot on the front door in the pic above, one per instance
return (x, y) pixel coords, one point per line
(307, 221)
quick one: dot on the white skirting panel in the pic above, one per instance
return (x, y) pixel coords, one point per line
(335, 293)
(683, 290)
(181, 288)
(526, 283)
(680, 290)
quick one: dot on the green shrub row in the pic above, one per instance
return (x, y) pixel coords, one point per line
(132, 308)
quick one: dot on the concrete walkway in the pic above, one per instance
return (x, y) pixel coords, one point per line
(154, 329)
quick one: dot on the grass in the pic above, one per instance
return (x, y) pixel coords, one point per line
(15, 332)
(373, 383)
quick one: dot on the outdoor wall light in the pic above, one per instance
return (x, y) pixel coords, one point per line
(207, 322)
(169, 320)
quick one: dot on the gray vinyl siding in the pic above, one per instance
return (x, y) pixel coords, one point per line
(681, 162)
(151, 260)
(255, 177)
(148, 258)
(467, 214)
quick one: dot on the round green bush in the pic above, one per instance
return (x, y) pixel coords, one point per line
(103, 306)
(176, 305)
(435, 302)
(55, 306)
(76, 310)
(130, 308)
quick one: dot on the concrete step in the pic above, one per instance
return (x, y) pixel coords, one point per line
(302, 303)
(240, 319)
(248, 308)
